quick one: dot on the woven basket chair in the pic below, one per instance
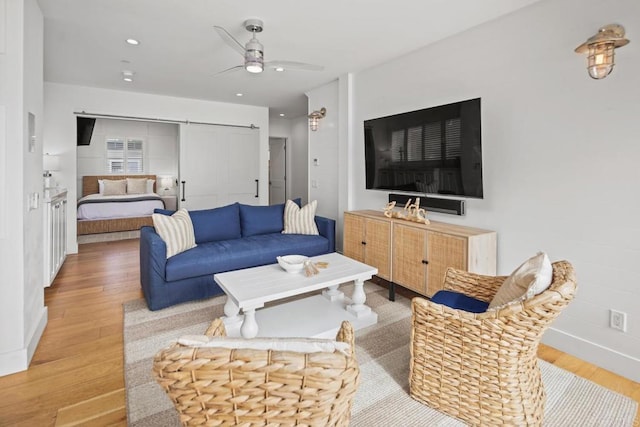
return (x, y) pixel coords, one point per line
(230, 387)
(482, 368)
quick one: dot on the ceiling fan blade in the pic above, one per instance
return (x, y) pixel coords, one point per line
(293, 65)
(229, 40)
(229, 70)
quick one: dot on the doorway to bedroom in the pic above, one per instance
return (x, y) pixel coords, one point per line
(124, 148)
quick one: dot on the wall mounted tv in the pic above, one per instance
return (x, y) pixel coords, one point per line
(435, 151)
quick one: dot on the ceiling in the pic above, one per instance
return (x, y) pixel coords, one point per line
(180, 52)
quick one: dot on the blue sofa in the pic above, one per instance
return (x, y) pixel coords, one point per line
(228, 238)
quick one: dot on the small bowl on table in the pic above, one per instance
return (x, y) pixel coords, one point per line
(292, 263)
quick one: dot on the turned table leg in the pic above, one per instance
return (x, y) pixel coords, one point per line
(332, 293)
(249, 328)
(359, 298)
(231, 311)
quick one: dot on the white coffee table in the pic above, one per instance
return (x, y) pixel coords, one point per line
(314, 316)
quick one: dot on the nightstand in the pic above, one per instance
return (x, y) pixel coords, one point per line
(170, 202)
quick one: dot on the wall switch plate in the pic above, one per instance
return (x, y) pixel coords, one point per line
(618, 320)
(314, 183)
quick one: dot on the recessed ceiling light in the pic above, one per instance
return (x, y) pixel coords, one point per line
(239, 94)
(279, 69)
(281, 114)
(127, 76)
(133, 42)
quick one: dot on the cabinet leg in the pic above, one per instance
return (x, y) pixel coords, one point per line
(392, 291)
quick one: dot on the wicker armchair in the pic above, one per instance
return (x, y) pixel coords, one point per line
(228, 387)
(482, 368)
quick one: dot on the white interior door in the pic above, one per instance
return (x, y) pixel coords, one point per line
(219, 165)
(277, 170)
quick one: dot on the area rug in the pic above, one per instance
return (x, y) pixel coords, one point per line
(383, 354)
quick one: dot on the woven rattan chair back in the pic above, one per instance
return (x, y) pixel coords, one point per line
(483, 368)
(229, 387)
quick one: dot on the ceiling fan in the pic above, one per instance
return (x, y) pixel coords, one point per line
(253, 52)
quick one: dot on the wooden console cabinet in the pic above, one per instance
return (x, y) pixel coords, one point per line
(415, 255)
(368, 239)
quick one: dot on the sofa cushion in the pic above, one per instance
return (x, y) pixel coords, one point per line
(176, 231)
(227, 255)
(257, 220)
(299, 220)
(459, 301)
(212, 225)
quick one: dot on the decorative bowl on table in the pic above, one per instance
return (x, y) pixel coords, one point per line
(292, 263)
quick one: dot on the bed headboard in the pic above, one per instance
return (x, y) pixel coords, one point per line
(90, 182)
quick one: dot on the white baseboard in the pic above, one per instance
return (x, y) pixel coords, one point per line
(606, 358)
(18, 360)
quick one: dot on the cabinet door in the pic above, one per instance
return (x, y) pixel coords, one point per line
(377, 248)
(443, 251)
(409, 270)
(353, 237)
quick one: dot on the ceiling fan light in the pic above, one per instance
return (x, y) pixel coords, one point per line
(254, 56)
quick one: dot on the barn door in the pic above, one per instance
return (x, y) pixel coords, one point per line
(219, 165)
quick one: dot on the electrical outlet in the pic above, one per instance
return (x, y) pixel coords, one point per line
(618, 320)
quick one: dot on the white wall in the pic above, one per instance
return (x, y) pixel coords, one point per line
(23, 315)
(299, 147)
(323, 147)
(160, 147)
(62, 100)
(560, 154)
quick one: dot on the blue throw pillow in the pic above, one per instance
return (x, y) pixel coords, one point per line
(262, 219)
(212, 225)
(460, 301)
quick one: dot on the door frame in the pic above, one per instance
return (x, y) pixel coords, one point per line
(286, 166)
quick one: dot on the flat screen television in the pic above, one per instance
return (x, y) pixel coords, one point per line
(434, 151)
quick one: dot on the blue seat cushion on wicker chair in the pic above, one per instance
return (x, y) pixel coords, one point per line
(460, 301)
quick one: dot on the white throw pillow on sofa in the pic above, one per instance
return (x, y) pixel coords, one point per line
(529, 279)
(176, 231)
(299, 220)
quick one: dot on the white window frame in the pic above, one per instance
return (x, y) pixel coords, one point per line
(125, 155)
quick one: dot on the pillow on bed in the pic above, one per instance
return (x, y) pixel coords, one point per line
(136, 185)
(150, 183)
(101, 186)
(114, 187)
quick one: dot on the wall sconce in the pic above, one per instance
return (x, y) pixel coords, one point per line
(315, 117)
(599, 49)
(50, 163)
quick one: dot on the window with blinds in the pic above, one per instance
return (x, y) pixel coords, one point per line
(125, 155)
(430, 141)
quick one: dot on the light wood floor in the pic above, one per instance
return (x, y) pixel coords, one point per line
(76, 376)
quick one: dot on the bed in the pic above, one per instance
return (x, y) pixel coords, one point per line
(108, 214)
